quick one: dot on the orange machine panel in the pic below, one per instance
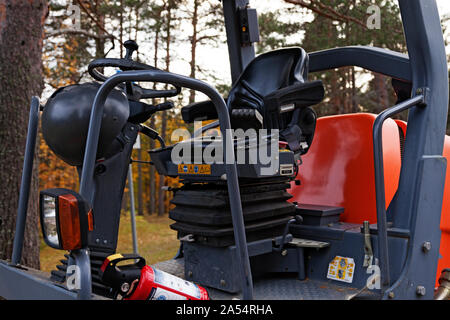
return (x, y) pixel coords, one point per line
(444, 248)
(338, 170)
(445, 216)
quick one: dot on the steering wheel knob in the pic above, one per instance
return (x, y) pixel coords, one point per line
(127, 64)
(131, 47)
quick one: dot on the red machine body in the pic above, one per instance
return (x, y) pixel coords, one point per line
(338, 170)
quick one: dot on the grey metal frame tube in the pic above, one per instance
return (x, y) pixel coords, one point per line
(426, 128)
(82, 260)
(383, 253)
(387, 62)
(87, 175)
(19, 284)
(132, 209)
(25, 184)
(417, 206)
(239, 55)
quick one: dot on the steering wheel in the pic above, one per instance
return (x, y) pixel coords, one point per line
(128, 64)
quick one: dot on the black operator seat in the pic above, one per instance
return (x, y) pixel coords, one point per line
(273, 92)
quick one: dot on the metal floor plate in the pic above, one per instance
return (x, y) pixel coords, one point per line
(39, 286)
(274, 288)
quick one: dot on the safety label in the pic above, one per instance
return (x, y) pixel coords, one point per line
(194, 169)
(161, 294)
(341, 269)
(178, 284)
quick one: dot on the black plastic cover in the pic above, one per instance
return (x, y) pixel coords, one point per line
(65, 121)
(204, 110)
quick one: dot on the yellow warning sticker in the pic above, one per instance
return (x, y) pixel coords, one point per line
(194, 169)
(341, 269)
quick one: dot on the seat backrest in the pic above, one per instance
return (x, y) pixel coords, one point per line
(265, 74)
(271, 71)
(273, 93)
(339, 167)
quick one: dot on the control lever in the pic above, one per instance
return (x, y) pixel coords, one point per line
(133, 90)
(164, 106)
(141, 112)
(130, 46)
(297, 219)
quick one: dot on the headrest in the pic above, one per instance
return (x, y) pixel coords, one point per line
(267, 73)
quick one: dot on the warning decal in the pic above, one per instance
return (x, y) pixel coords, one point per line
(341, 269)
(194, 169)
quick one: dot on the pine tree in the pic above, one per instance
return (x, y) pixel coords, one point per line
(275, 29)
(339, 23)
(169, 8)
(21, 32)
(206, 20)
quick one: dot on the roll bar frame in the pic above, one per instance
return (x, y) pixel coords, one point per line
(418, 202)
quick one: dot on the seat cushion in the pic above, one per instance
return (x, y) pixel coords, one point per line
(339, 168)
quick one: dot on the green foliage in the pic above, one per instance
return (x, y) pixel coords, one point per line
(351, 89)
(274, 30)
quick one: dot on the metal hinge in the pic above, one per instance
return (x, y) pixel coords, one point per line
(426, 93)
(368, 251)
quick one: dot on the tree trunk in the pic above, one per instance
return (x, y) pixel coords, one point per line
(137, 28)
(100, 42)
(152, 205)
(139, 184)
(152, 202)
(121, 30)
(140, 199)
(21, 34)
(193, 47)
(161, 191)
(354, 91)
(382, 93)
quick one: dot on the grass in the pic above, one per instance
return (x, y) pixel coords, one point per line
(156, 241)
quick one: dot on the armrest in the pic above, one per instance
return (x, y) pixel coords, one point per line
(299, 95)
(204, 110)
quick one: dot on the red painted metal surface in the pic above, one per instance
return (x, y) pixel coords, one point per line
(338, 170)
(444, 248)
(445, 216)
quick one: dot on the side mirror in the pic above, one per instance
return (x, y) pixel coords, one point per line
(66, 219)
